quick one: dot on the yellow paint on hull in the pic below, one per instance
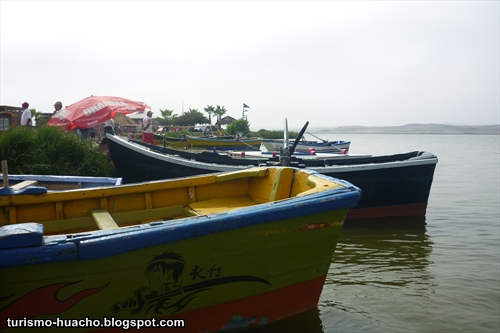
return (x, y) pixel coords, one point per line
(281, 253)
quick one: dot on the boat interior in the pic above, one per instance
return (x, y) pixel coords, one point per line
(114, 207)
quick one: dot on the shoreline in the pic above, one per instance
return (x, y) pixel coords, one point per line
(413, 129)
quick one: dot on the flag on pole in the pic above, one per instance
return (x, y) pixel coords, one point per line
(245, 106)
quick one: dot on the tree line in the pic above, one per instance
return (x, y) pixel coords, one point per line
(194, 117)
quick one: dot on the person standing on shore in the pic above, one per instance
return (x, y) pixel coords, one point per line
(109, 127)
(147, 129)
(26, 115)
(84, 133)
(57, 108)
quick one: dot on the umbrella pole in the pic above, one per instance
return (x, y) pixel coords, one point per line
(5, 173)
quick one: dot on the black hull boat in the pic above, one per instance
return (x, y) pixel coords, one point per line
(392, 185)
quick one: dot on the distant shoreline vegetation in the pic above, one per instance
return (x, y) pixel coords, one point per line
(412, 129)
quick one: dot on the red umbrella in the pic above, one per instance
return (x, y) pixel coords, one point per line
(94, 110)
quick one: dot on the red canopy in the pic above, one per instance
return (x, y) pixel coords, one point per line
(94, 110)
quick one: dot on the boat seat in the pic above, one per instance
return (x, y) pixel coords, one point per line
(121, 219)
(217, 205)
(24, 184)
(103, 219)
(188, 212)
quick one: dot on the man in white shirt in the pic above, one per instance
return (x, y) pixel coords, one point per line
(26, 115)
(147, 129)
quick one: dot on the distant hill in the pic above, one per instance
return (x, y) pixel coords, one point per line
(411, 129)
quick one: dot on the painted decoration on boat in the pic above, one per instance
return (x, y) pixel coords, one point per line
(166, 292)
(43, 301)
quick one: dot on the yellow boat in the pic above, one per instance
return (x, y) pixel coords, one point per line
(215, 143)
(205, 253)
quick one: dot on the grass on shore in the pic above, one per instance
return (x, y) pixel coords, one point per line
(51, 151)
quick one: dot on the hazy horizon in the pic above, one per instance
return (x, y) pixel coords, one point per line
(332, 63)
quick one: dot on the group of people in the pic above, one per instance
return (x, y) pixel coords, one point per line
(147, 128)
(26, 113)
(147, 123)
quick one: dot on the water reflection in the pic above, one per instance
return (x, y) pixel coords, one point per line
(388, 252)
(375, 262)
(308, 321)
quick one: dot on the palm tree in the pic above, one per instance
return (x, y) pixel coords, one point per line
(210, 110)
(191, 118)
(168, 115)
(220, 111)
(37, 118)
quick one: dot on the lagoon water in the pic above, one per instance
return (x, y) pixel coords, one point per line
(438, 273)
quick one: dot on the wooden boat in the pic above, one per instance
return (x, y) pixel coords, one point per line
(216, 142)
(10, 184)
(224, 142)
(59, 183)
(168, 141)
(305, 146)
(206, 253)
(392, 185)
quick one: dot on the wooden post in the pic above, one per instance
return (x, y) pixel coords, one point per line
(5, 172)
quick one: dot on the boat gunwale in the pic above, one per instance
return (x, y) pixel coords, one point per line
(57, 178)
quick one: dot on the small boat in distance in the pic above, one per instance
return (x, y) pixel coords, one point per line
(223, 142)
(170, 141)
(209, 142)
(173, 249)
(310, 147)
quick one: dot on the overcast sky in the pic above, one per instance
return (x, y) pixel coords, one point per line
(332, 63)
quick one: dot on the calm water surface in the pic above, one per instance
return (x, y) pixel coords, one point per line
(438, 273)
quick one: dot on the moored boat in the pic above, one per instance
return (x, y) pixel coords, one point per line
(305, 146)
(59, 183)
(223, 143)
(392, 185)
(169, 141)
(213, 251)
(212, 142)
